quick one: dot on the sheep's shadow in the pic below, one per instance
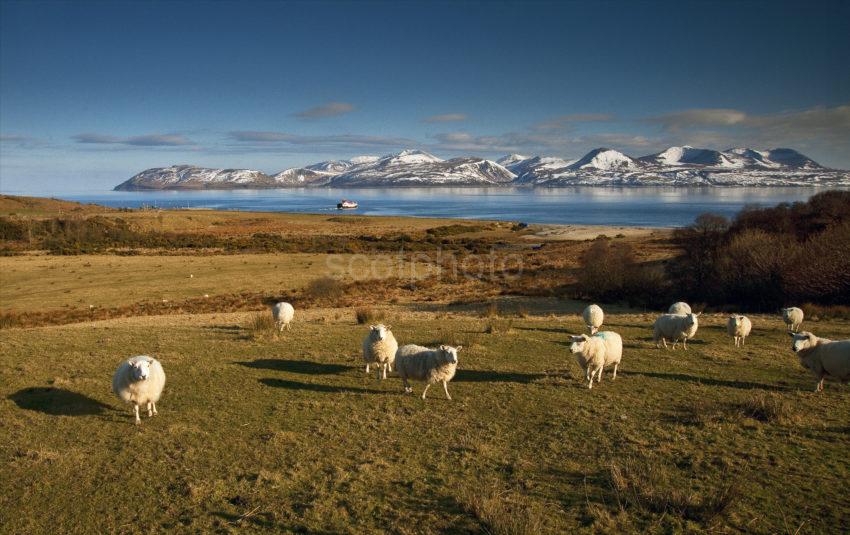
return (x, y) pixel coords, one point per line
(57, 402)
(487, 376)
(304, 367)
(313, 387)
(744, 385)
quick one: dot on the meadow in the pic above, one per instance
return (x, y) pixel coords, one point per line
(265, 432)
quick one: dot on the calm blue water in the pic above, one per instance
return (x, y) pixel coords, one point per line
(581, 205)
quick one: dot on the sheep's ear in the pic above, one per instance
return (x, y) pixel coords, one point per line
(586, 337)
(698, 314)
(458, 348)
(443, 347)
(388, 327)
(791, 335)
(372, 327)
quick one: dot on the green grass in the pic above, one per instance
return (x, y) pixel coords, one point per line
(289, 434)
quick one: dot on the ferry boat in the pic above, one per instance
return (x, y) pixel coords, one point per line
(345, 204)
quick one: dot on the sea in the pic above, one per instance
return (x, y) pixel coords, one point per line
(631, 207)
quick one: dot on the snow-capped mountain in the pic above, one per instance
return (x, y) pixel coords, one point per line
(605, 160)
(675, 166)
(418, 168)
(193, 177)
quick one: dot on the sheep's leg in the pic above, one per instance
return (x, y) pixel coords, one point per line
(136, 410)
(153, 404)
(289, 327)
(407, 388)
(590, 382)
(446, 388)
(685, 342)
(819, 386)
(427, 386)
(615, 371)
(664, 341)
(150, 410)
(599, 375)
(743, 338)
(367, 368)
(384, 369)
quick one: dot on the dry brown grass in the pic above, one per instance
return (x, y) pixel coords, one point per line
(502, 511)
(652, 486)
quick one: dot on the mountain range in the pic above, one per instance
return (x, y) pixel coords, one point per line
(675, 166)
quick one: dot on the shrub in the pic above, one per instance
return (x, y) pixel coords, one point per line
(368, 315)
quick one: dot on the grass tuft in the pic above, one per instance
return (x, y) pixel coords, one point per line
(262, 325)
(503, 512)
(653, 486)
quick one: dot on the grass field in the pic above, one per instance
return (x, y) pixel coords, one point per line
(258, 433)
(43, 282)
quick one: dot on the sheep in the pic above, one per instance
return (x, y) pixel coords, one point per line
(283, 313)
(680, 308)
(593, 317)
(379, 347)
(427, 365)
(594, 353)
(823, 357)
(675, 327)
(739, 328)
(793, 318)
(139, 380)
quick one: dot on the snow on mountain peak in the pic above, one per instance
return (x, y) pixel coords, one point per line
(511, 159)
(605, 159)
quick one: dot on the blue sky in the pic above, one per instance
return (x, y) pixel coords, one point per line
(93, 92)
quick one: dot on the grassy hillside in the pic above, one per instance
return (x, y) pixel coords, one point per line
(259, 433)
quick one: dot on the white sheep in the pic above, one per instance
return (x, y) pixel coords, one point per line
(379, 347)
(593, 317)
(680, 308)
(793, 318)
(283, 314)
(739, 328)
(595, 353)
(823, 357)
(427, 365)
(675, 327)
(139, 380)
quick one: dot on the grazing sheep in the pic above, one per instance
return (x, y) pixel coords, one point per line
(793, 318)
(427, 365)
(675, 327)
(739, 328)
(593, 317)
(379, 347)
(594, 353)
(823, 357)
(680, 308)
(283, 314)
(139, 380)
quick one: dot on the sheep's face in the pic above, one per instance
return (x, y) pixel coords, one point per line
(736, 320)
(379, 331)
(578, 343)
(140, 370)
(450, 353)
(803, 340)
(691, 319)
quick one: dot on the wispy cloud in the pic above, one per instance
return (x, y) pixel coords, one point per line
(331, 109)
(818, 127)
(265, 141)
(567, 121)
(538, 143)
(148, 140)
(699, 118)
(446, 118)
(20, 141)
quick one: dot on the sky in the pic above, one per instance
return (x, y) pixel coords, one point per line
(94, 92)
